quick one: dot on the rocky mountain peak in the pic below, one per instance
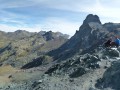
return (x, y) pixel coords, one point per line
(54, 35)
(48, 35)
(21, 32)
(92, 18)
(90, 32)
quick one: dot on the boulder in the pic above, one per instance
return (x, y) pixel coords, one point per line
(52, 69)
(79, 72)
(111, 77)
(113, 52)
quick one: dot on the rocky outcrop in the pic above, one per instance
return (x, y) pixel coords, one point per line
(51, 35)
(79, 72)
(91, 34)
(111, 77)
(42, 60)
(112, 52)
(92, 18)
(76, 66)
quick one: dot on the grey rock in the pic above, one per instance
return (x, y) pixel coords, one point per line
(113, 52)
(79, 72)
(91, 18)
(111, 77)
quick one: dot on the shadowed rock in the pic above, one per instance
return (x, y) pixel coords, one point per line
(35, 63)
(79, 72)
(111, 77)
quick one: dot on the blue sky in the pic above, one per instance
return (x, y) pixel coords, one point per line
(64, 16)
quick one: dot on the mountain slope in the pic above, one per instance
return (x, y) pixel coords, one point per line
(20, 47)
(90, 33)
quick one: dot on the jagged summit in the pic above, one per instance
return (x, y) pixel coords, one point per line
(90, 35)
(92, 18)
(51, 35)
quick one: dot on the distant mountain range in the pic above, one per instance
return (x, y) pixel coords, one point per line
(22, 46)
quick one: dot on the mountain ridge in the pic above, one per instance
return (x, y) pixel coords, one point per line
(22, 46)
(91, 34)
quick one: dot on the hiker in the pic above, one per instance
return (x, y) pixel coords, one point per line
(117, 42)
(108, 43)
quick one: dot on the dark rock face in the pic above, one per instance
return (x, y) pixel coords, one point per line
(79, 72)
(111, 77)
(48, 36)
(35, 63)
(91, 33)
(51, 35)
(112, 53)
(75, 67)
(52, 69)
(91, 18)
